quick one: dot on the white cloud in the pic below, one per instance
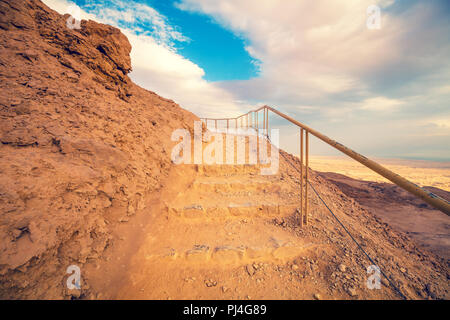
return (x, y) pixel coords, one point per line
(359, 81)
(318, 47)
(442, 123)
(380, 104)
(64, 6)
(136, 16)
(156, 65)
(157, 68)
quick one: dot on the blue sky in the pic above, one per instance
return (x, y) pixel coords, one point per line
(215, 49)
(384, 92)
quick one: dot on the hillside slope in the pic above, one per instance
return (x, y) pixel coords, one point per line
(427, 226)
(81, 145)
(230, 233)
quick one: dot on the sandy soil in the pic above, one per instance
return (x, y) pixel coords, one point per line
(86, 178)
(231, 234)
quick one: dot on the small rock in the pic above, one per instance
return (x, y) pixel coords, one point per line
(294, 267)
(352, 292)
(342, 267)
(317, 296)
(402, 270)
(225, 289)
(430, 290)
(210, 283)
(250, 270)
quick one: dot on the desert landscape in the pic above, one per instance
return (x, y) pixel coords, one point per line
(87, 179)
(389, 202)
(422, 172)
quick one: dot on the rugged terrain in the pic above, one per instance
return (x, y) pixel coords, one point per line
(86, 179)
(424, 173)
(81, 146)
(428, 227)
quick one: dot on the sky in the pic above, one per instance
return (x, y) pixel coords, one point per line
(383, 92)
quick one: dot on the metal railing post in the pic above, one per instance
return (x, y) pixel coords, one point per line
(257, 123)
(301, 178)
(306, 175)
(264, 120)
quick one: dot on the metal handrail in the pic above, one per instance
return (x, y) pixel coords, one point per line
(429, 197)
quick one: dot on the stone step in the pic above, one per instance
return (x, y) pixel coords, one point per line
(207, 195)
(198, 211)
(228, 254)
(238, 183)
(230, 170)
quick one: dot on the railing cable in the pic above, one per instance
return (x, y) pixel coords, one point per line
(348, 232)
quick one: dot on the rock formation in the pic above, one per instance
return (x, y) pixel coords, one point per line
(81, 145)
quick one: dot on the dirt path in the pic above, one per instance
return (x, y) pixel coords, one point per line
(232, 234)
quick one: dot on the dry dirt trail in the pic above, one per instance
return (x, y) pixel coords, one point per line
(86, 179)
(221, 224)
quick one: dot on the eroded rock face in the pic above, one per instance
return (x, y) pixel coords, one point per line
(102, 48)
(81, 146)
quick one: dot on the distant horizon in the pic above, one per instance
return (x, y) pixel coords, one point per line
(388, 158)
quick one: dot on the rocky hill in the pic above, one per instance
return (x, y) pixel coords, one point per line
(81, 145)
(86, 179)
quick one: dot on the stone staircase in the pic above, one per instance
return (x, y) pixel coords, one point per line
(226, 217)
(228, 232)
(222, 226)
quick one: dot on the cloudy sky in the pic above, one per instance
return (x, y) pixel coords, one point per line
(383, 92)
